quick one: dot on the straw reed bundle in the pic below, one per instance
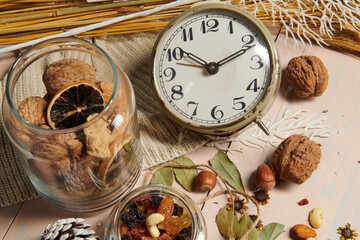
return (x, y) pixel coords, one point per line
(335, 24)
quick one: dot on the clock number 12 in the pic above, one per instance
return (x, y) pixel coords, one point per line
(210, 25)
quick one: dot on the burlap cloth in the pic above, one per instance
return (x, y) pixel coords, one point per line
(162, 139)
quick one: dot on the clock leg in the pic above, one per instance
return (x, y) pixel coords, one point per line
(262, 126)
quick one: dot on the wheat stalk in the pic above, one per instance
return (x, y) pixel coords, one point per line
(333, 23)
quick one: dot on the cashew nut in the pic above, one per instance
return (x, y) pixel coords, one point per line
(151, 223)
(316, 217)
(310, 238)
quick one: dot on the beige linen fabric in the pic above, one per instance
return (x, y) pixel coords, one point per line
(162, 139)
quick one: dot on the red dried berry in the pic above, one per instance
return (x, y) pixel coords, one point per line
(303, 202)
(143, 203)
(164, 236)
(138, 229)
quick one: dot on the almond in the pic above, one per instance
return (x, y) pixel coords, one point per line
(301, 231)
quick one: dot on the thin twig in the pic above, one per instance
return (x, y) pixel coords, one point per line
(98, 25)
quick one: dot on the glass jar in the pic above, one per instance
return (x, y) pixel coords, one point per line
(198, 226)
(82, 168)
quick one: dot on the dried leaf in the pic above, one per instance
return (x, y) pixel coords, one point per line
(163, 176)
(186, 177)
(271, 231)
(244, 226)
(228, 170)
(223, 219)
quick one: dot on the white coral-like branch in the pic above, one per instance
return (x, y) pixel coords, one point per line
(300, 122)
(296, 16)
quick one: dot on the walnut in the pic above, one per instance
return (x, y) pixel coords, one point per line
(65, 71)
(50, 151)
(106, 89)
(33, 110)
(296, 158)
(72, 144)
(307, 75)
(57, 148)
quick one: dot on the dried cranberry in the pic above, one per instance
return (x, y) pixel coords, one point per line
(303, 202)
(138, 229)
(178, 210)
(143, 202)
(132, 217)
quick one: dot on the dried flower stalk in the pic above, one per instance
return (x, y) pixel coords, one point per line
(332, 23)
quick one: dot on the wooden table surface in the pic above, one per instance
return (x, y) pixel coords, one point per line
(334, 186)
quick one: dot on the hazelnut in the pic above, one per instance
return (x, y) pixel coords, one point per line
(264, 178)
(33, 110)
(307, 75)
(206, 181)
(65, 71)
(296, 158)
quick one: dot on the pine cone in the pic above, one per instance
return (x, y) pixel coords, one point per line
(70, 228)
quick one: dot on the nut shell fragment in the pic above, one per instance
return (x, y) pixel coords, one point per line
(296, 158)
(98, 138)
(307, 75)
(107, 89)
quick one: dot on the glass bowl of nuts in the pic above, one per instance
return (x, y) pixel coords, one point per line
(156, 211)
(70, 114)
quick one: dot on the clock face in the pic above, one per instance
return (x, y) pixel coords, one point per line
(212, 67)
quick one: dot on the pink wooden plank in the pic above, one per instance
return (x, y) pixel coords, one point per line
(332, 186)
(7, 216)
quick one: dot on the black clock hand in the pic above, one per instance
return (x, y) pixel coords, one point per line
(234, 55)
(195, 58)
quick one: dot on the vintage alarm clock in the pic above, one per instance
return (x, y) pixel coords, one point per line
(215, 69)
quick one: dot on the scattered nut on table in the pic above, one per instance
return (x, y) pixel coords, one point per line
(264, 178)
(307, 75)
(316, 217)
(296, 158)
(301, 231)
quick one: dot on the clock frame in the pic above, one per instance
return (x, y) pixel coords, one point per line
(268, 96)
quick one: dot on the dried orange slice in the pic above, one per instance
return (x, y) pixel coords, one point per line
(73, 104)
